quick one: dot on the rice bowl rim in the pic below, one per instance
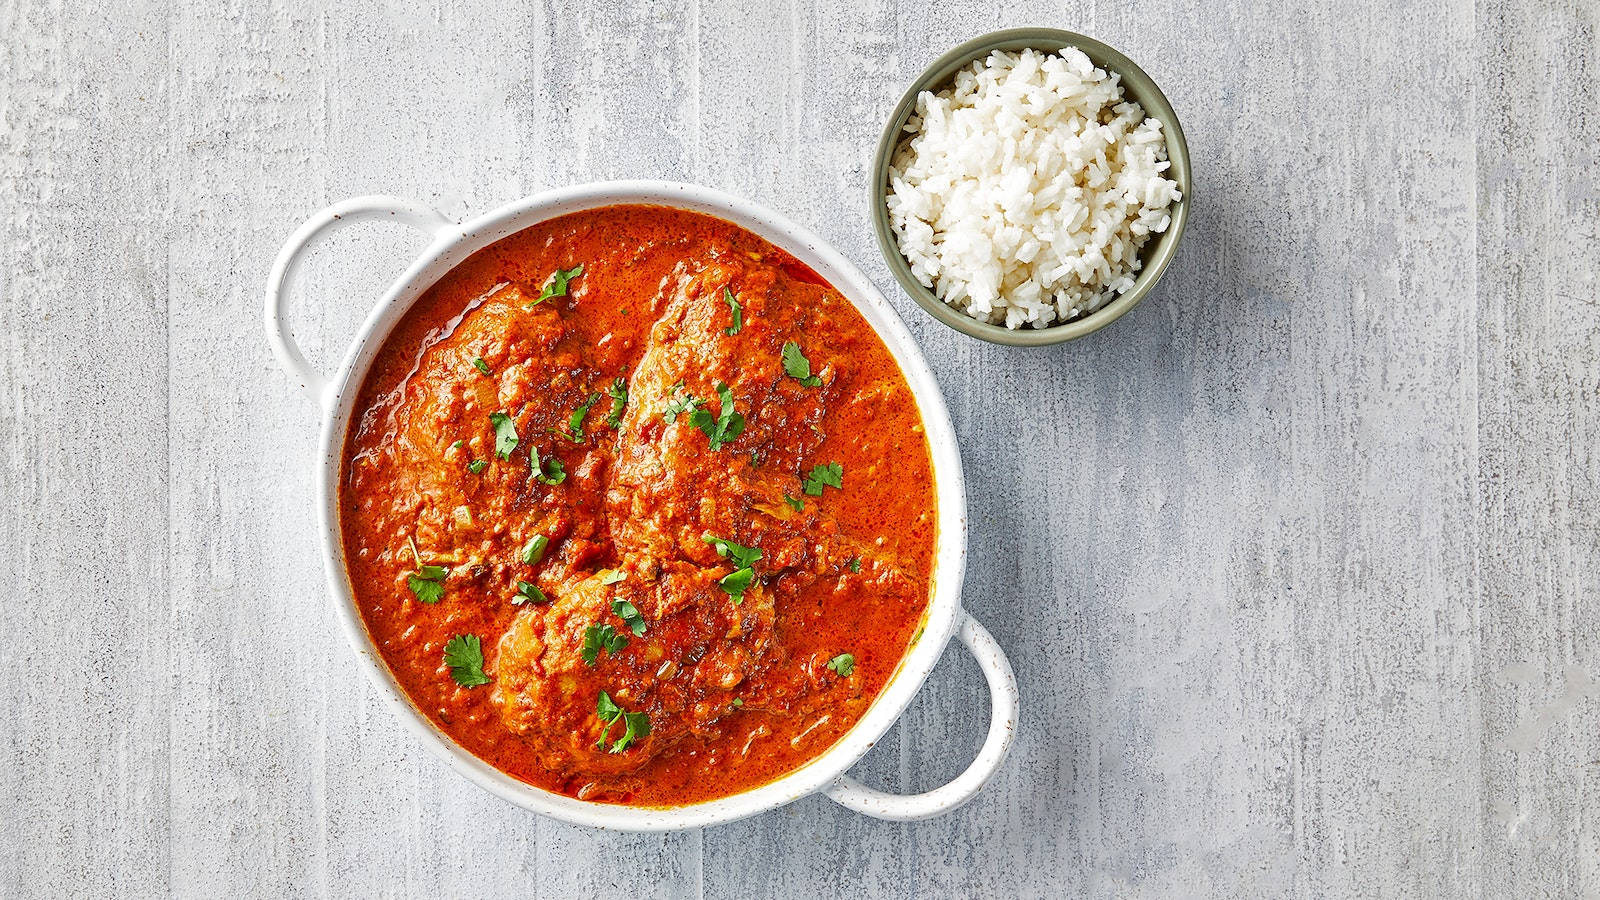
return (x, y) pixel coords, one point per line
(1136, 86)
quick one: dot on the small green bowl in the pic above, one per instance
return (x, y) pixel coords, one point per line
(1155, 254)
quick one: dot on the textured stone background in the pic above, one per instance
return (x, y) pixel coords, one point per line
(1298, 564)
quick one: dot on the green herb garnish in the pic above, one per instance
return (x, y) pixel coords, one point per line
(464, 655)
(619, 401)
(795, 503)
(505, 434)
(797, 366)
(556, 286)
(528, 592)
(741, 556)
(678, 405)
(550, 471)
(636, 725)
(428, 583)
(737, 702)
(629, 614)
(477, 465)
(533, 551)
(612, 576)
(601, 637)
(737, 583)
(855, 564)
(723, 428)
(574, 432)
(481, 366)
(843, 664)
(736, 310)
(830, 475)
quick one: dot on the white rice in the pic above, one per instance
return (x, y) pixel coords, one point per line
(1024, 190)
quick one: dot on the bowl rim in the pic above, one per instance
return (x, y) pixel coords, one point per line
(449, 249)
(1158, 253)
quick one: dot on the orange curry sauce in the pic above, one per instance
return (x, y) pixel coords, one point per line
(739, 677)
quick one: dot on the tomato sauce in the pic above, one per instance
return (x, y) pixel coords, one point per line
(672, 514)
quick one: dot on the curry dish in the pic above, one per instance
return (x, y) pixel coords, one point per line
(638, 508)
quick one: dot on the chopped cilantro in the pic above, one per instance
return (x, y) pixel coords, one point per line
(556, 285)
(843, 664)
(723, 428)
(612, 576)
(741, 556)
(457, 445)
(533, 551)
(736, 310)
(477, 465)
(574, 432)
(528, 592)
(428, 583)
(678, 405)
(635, 725)
(737, 702)
(795, 503)
(830, 475)
(601, 637)
(505, 434)
(797, 366)
(619, 401)
(737, 583)
(855, 563)
(464, 655)
(550, 471)
(629, 614)
(481, 366)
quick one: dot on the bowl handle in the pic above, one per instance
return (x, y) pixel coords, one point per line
(347, 212)
(1002, 727)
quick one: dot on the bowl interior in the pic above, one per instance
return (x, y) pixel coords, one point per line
(1155, 254)
(943, 606)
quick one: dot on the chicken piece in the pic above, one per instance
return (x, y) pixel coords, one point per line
(682, 672)
(440, 422)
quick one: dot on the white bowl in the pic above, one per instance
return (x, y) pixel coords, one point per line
(454, 243)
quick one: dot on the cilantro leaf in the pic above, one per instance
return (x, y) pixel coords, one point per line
(574, 432)
(795, 503)
(551, 471)
(612, 576)
(638, 727)
(601, 637)
(635, 725)
(855, 564)
(830, 475)
(428, 583)
(736, 310)
(464, 655)
(505, 434)
(726, 426)
(843, 664)
(528, 592)
(477, 465)
(533, 551)
(481, 366)
(678, 405)
(736, 583)
(619, 401)
(741, 556)
(556, 285)
(629, 614)
(797, 366)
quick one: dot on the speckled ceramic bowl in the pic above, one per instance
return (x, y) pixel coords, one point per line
(450, 245)
(1156, 254)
